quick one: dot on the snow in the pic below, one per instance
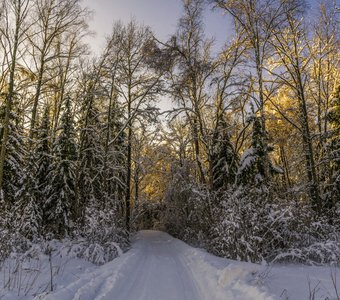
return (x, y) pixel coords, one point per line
(246, 160)
(159, 266)
(296, 282)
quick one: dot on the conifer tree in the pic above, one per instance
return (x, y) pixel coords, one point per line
(42, 156)
(15, 193)
(36, 182)
(91, 160)
(60, 206)
(14, 164)
(28, 211)
(223, 158)
(334, 146)
(252, 164)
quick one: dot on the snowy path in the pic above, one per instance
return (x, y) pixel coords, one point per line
(160, 267)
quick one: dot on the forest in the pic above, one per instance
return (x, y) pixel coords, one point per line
(246, 163)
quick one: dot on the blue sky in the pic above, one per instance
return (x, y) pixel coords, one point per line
(161, 15)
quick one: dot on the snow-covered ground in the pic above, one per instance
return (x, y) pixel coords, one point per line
(160, 267)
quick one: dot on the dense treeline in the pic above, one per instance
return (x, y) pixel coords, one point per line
(258, 177)
(247, 163)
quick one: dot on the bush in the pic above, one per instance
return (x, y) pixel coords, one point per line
(251, 224)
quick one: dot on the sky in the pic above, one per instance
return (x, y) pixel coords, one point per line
(161, 15)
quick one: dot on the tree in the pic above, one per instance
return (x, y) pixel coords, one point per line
(224, 159)
(334, 148)
(55, 19)
(138, 84)
(291, 48)
(16, 153)
(227, 83)
(60, 206)
(324, 48)
(90, 183)
(189, 76)
(252, 170)
(43, 157)
(11, 46)
(35, 184)
(258, 20)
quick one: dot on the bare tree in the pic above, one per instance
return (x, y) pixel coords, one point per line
(55, 19)
(191, 75)
(324, 49)
(291, 48)
(257, 20)
(138, 85)
(69, 51)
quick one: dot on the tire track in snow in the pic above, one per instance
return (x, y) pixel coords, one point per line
(160, 267)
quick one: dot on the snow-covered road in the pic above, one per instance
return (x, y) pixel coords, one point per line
(155, 270)
(160, 267)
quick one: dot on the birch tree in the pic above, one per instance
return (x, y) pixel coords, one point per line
(190, 76)
(257, 19)
(138, 85)
(55, 19)
(291, 48)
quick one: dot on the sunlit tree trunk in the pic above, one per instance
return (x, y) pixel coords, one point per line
(290, 46)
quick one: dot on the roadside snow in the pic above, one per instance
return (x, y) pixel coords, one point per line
(297, 282)
(160, 267)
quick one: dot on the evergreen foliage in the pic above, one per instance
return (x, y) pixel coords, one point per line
(334, 149)
(224, 160)
(43, 157)
(252, 164)
(60, 206)
(36, 183)
(15, 160)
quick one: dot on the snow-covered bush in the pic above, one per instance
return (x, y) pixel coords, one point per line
(244, 228)
(176, 200)
(5, 247)
(188, 208)
(309, 239)
(11, 241)
(102, 239)
(250, 224)
(273, 229)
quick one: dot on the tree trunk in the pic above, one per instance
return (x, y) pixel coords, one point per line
(313, 187)
(36, 99)
(128, 180)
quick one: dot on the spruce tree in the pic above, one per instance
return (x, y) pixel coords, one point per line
(60, 206)
(37, 182)
(90, 181)
(42, 156)
(28, 210)
(14, 164)
(223, 159)
(255, 161)
(334, 148)
(252, 168)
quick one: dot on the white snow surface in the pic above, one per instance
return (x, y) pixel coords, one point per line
(160, 267)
